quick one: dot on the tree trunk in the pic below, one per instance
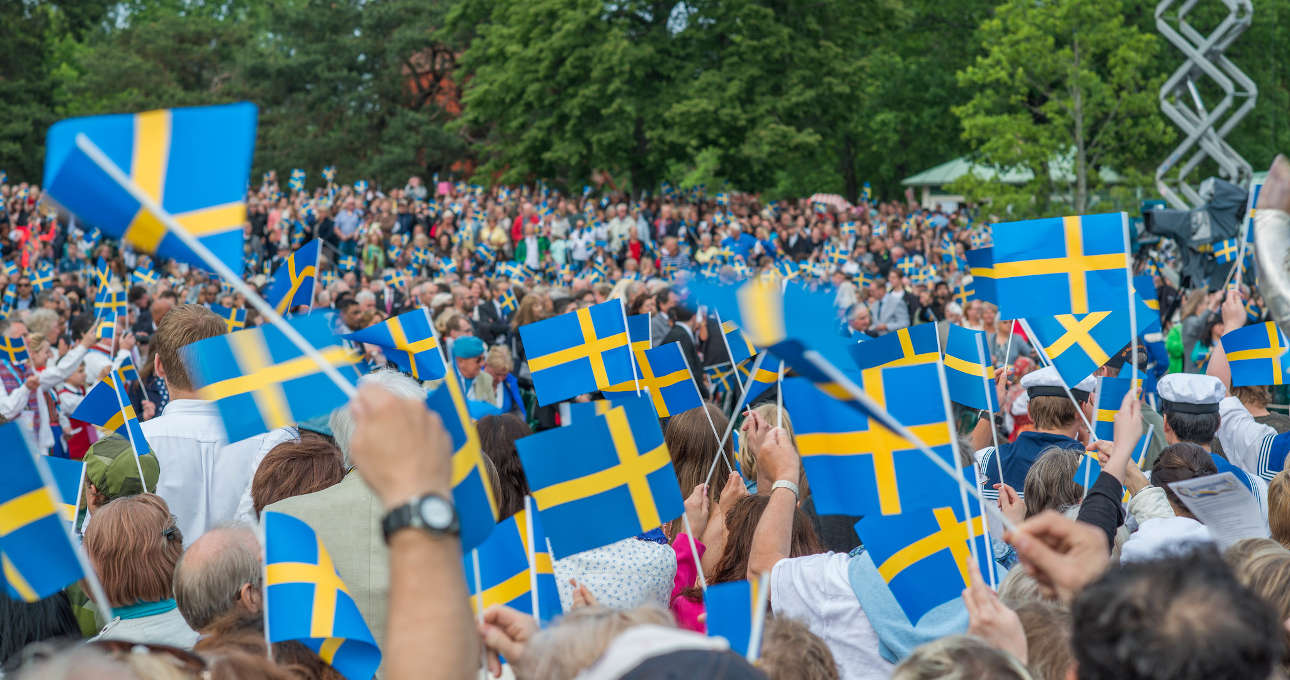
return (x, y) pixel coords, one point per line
(1081, 153)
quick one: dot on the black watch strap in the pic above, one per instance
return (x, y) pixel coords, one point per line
(431, 513)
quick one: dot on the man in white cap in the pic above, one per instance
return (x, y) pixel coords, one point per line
(1057, 424)
(1190, 404)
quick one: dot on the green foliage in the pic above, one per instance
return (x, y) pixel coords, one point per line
(1064, 89)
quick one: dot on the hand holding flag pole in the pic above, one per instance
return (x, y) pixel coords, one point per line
(95, 154)
(730, 426)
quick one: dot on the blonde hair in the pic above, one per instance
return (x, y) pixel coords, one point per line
(959, 657)
(770, 413)
(1279, 508)
(790, 650)
(580, 637)
(499, 357)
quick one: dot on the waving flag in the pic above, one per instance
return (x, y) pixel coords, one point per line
(760, 382)
(472, 490)
(579, 411)
(981, 267)
(663, 372)
(347, 263)
(1061, 265)
(902, 347)
(306, 600)
(143, 277)
(578, 352)
(194, 162)
(737, 343)
(260, 381)
(1148, 305)
(721, 377)
(970, 381)
(293, 283)
(1227, 250)
(1108, 397)
(855, 465)
(505, 573)
(108, 406)
(731, 608)
(925, 555)
(409, 341)
(506, 301)
(234, 317)
(619, 485)
(36, 552)
(1256, 355)
(1081, 344)
(15, 350)
(67, 474)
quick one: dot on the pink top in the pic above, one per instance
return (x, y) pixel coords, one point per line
(685, 610)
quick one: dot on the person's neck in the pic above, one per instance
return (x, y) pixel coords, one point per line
(176, 393)
(1257, 411)
(1070, 432)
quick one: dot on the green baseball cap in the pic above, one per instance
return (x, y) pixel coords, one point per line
(110, 467)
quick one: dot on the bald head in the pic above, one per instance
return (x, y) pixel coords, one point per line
(219, 572)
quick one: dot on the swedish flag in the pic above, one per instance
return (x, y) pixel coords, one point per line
(1108, 397)
(1077, 345)
(664, 373)
(907, 265)
(422, 257)
(107, 325)
(902, 347)
(108, 406)
(143, 277)
(925, 556)
(472, 490)
(396, 278)
(234, 317)
(36, 555)
(109, 300)
(579, 411)
(15, 350)
(260, 380)
(1256, 355)
(508, 303)
(293, 283)
(1144, 288)
(409, 341)
(67, 474)
(327, 278)
(1226, 251)
(505, 574)
(329, 173)
(1061, 265)
(759, 383)
(578, 352)
(721, 377)
(194, 162)
(125, 371)
(621, 483)
(856, 465)
(731, 607)
(981, 267)
(347, 263)
(43, 278)
(305, 599)
(966, 375)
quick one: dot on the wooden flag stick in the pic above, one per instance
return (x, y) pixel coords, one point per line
(200, 250)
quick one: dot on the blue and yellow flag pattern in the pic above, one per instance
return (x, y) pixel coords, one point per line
(260, 381)
(740, 347)
(855, 465)
(664, 374)
(981, 267)
(36, 554)
(969, 379)
(306, 600)
(619, 485)
(194, 162)
(409, 341)
(293, 283)
(67, 475)
(580, 411)
(902, 347)
(1108, 397)
(731, 607)
(1061, 265)
(925, 555)
(1144, 287)
(472, 490)
(578, 352)
(14, 350)
(1081, 344)
(1257, 354)
(108, 406)
(234, 317)
(505, 574)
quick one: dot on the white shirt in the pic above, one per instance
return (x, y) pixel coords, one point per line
(625, 574)
(96, 361)
(1246, 442)
(816, 590)
(205, 480)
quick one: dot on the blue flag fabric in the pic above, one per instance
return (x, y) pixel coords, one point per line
(1061, 265)
(36, 554)
(620, 483)
(260, 381)
(1256, 354)
(731, 607)
(858, 467)
(1079, 345)
(234, 317)
(472, 489)
(505, 573)
(740, 347)
(409, 341)
(581, 411)
(578, 352)
(664, 374)
(925, 555)
(67, 477)
(964, 370)
(293, 283)
(108, 406)
(194, 162)
(1148, 305)
(903, 347)
(306, 600)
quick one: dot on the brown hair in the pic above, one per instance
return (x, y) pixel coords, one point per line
(741, 522)
(1279, 508)
(133, 544)
(237, 641)
(1048, 639)
(180, 327)
(1052, 413)
(497, 435)
(1180, 461)
(1267, 574)
(296, 468)
(690, 443)
(1252, 395)
(789, 650)
(1050, 482)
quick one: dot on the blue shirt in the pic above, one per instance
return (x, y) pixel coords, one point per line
(741, 246)
(1019, 455)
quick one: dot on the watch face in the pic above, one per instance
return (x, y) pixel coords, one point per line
(436, 513)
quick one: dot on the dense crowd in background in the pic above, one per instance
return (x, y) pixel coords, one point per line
(482, 261)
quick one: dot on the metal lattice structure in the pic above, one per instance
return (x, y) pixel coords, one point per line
(1204, 128)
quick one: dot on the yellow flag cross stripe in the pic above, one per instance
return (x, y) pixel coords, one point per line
(263, 379)
(592, 348)
(412, 349)
(470, 456)
(297, 280)
(22, 510)
(1079, 332)
(326, 582)
(1075, 265)
(952, 535)
(1273, 351)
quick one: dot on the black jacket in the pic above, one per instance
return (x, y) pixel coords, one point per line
(491, 327)
(678, 334)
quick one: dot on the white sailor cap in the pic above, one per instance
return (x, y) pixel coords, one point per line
(1190, 393)
(1047, 382)
(1021, 405)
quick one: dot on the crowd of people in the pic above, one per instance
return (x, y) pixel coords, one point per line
(1095, 587)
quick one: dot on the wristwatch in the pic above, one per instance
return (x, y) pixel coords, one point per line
(431, 512)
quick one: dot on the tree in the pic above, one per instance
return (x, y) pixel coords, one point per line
(1059, 80)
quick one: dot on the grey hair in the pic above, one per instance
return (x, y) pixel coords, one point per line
(580, 637)
(341, 421)
(365, 296)
(206, 590)
(959, 657)
(42, 321)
